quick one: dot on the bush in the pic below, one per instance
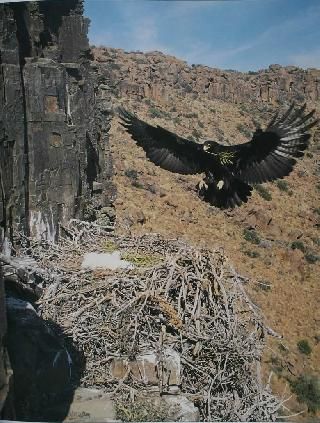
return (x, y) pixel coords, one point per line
(251, 236)
(304, 347)
(316, 241)
(131, 173)
(298, 245)
(311, 258)
(263, 192)
(307, 389)
(155, 113)
(135, 183)
(244, 130)
(252, 254)
(191, 115)
(282, 185)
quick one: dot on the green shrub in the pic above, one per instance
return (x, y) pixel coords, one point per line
(155, 113)
(311, 258)
(251, 236)
(298, 245)
(263, 192)
(307, 389)
(191, 115)
(304, 347)
(316, 241)
(252, 254)
(135, 183)
(244, 130)
(282, 185)
(131, 173)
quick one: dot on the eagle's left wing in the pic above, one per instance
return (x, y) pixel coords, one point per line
(271, 153)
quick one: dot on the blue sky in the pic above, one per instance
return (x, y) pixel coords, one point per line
(236, 34)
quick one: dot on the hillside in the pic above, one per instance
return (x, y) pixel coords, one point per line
(274, 239)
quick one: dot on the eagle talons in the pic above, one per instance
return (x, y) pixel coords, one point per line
(202, 185)
(220, 184)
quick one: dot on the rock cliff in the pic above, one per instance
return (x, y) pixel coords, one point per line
(53, 121)
(155, 75)
(54, 159)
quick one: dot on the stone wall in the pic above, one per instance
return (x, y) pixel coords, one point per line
(53, 122)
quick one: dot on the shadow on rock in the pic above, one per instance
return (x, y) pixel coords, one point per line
(47, 365)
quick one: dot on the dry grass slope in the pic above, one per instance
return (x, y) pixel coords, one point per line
(274, 239)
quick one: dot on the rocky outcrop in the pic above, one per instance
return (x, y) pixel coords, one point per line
(53, 122)
(154, 75)
(54, 165)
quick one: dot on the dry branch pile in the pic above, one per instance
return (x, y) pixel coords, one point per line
(192, 301)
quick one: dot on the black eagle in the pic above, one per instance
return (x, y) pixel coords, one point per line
(229, 170)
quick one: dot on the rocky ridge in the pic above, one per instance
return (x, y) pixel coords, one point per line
(155, 75)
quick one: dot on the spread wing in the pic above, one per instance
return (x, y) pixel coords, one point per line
(164, 148)
(271, 153)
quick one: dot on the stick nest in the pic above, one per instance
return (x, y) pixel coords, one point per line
(191, 301)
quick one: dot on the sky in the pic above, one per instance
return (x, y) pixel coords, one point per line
(242, 35)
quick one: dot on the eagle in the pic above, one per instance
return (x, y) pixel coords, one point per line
(229, 170)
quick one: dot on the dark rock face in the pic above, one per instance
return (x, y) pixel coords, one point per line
(6, 406)
(53, 155)
(53, 122)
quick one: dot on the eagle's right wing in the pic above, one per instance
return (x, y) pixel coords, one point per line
(164, 148)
